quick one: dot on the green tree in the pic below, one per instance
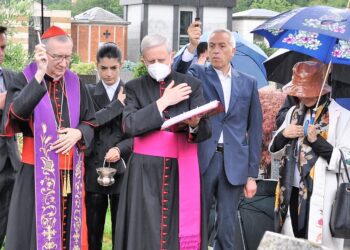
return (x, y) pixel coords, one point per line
(110, 5)
(283, 5)
(333, 3)
(16, 57)
(59, 5)
(276, 5)
(14, 12)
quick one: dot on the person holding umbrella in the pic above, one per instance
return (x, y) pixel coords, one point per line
(309, 154)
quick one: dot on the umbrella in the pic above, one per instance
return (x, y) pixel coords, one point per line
(256, 211)
(248, 58)
(279, 68)
(319, 31)
(279, 65)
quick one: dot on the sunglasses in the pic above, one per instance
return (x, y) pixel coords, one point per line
(3, 47)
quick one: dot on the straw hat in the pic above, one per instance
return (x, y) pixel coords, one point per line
(307, 80)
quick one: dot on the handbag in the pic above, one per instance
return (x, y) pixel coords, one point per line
(340, 215)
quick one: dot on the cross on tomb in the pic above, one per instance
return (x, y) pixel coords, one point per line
(106, 34)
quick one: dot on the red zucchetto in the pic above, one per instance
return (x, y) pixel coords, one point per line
(53, 31)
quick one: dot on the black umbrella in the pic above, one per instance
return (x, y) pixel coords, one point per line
(279, 65)
(256, 215)
(279, 69)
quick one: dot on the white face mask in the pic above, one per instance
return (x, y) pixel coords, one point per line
(158, 71)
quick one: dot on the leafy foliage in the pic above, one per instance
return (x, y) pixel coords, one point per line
(139, 70)
(268, 51)
(16, 57)
(14, 12)
(75, 59)
(83, 68)
(271, 101)
(129, 65)
(59, 5)
(110, 5)
(284, 5)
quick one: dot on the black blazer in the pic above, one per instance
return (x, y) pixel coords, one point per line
(108, 134)
(8, 145)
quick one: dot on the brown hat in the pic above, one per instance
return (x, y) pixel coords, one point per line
(307, 80)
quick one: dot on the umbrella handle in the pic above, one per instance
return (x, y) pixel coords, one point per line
(324, 83)
(313, 115)
(39, 37)
(311, 122)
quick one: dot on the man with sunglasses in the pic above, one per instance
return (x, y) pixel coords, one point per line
(9, 157)
(55, 113)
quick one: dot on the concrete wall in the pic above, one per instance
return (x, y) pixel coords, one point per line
(134, 16)
(244, 26)
(160, 20)
(150, 18)
(214, 18)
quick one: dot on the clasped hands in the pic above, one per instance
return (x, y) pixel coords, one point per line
(67, 138)
(294, 131)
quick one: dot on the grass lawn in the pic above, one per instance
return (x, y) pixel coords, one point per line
(107, 235)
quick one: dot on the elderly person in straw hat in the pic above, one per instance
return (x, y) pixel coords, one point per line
(309, 155)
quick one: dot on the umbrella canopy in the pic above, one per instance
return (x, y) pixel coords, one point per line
(319, 31)
(256, 211)
(248, 58)
(279, 65)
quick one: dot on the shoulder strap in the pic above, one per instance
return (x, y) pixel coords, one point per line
(342, 162)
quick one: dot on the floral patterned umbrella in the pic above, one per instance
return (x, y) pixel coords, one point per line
(322, 32)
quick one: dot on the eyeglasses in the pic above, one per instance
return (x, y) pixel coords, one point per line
(59, 58)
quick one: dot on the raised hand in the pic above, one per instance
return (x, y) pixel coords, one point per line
(194, 32)
(173, 95)
(41, 60)
(121, 95)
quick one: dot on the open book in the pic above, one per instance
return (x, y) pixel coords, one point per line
(208, 109)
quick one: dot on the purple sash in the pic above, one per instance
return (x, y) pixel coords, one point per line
(46, 169)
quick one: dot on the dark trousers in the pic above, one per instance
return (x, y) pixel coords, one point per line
(216, 186)
(96, 209)
(7, 180)
(300, 231)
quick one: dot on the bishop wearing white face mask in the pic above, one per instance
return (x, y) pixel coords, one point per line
(152, 194)
(158, 71)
